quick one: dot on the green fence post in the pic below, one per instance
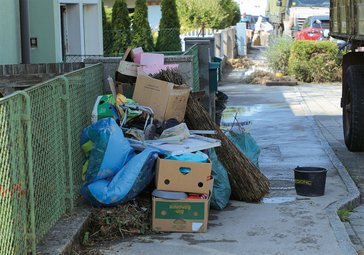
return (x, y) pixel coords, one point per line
(66, 99)
(26, 117)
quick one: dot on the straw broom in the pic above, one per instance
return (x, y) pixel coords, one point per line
(247, 182)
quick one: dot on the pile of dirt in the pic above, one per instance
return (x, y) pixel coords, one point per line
(259, 77)
(263, 77)
(113, 223)
(239, 63)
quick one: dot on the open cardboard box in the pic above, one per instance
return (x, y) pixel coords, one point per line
(171, 176)
(186, 215)
(127, 66)
(166, 99)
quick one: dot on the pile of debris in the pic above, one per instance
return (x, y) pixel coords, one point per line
(151, 128)
(239, 63)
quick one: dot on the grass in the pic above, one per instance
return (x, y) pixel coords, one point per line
(344, 215)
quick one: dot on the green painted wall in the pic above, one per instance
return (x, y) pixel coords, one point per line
(44, 25)
(10, 45)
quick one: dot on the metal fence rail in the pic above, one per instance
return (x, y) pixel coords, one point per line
(40, 155)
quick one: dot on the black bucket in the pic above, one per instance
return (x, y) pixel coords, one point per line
(310, 181)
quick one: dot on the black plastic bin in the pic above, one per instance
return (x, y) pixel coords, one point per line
(310, 181)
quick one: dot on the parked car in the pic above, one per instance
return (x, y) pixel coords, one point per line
(314, 28)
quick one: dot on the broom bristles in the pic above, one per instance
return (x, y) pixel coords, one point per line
(247, 182)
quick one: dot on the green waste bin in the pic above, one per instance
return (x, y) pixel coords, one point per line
(219, 73)
(213, 76)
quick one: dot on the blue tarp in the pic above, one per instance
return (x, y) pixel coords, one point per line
(115, 173)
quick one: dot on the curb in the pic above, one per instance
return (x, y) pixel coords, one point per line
(66, 235)
(353, 198)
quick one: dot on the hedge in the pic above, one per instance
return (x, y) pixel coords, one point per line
(314, 61)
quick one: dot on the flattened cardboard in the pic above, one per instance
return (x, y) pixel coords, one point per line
(170, 178)
(187, 215)
(166, 100)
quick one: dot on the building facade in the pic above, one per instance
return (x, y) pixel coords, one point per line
(44, 31)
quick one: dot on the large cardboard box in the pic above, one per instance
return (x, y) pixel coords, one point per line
(187, 215)
(166, 99)
(127, 66)
(190, 177)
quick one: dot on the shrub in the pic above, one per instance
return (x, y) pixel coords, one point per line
(313, 61)
(169, 28)
(141, 32)
(107, 35)
(121, 27)
(278, 53)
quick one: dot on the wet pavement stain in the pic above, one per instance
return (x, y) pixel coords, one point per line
(278, 200)
(307, 240)
(211, 225)
(213, 217)
(191, 241)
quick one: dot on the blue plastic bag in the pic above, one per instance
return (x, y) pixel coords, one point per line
(132, 178)
(110, 149)
(246, 144)
(114, 172)
(222, 189)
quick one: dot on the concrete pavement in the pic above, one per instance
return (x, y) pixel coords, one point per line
(284, 223)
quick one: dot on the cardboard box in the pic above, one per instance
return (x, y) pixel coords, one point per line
(169, 176)
(150, 59)
(128, 68)
(166, 99)
(127, 89)
(264, 38)
(187, 215)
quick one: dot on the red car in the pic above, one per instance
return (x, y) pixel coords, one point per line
(313, 28)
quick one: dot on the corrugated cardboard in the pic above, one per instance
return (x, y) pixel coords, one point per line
(128, 68)
(187, 215)
(167, 100)
(170, 178)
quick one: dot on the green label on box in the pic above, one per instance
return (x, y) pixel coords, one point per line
(175, 210)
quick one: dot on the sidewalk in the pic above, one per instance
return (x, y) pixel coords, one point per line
(283, 223)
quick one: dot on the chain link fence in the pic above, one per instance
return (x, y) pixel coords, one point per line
(196, 73)
(40, 155)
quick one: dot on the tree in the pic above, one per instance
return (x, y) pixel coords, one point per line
(214, 13)
(121, 27)
(169, 28)
(107, 33)
(141, 32)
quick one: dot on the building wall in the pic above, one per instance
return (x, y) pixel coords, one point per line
(43, 15)
(253, 7)
(10, 42)
(82, 32)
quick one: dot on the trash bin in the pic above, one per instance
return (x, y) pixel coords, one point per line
(310, 181)
(213, 76)
(219, 60)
